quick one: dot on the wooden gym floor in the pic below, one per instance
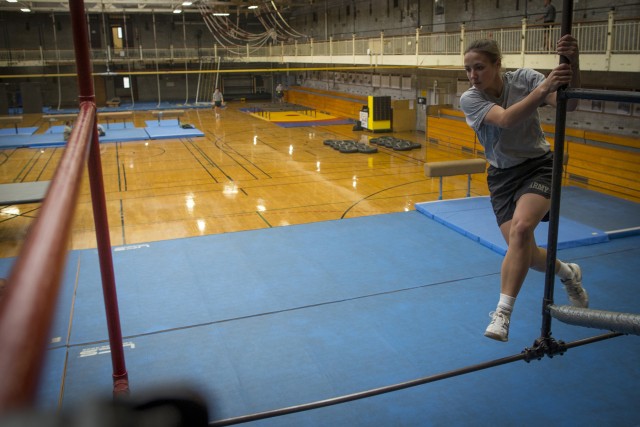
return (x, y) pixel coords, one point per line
(245, 174)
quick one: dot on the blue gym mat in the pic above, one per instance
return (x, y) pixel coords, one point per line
(32, 141)
(162, 123)
(55, 129)
(166, 130)
(21, 131)
(123, 135)
(582, 219)
(117, 125)
(116, 132)
(266, 319)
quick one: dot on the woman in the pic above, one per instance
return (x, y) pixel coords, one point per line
(218, 99)
(502, 110)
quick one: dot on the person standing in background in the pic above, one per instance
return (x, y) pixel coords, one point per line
(218, 100)
(280, 93)
(66, 132)
(548, 18)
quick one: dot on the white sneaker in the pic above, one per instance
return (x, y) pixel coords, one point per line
(498, 329)
(577, 294)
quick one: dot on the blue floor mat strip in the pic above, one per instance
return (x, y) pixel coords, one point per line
(223, 316)
(167, 131)
(123, 135)
(586, 218)
(266, 319)
(32, 141)
(117, 132)
(118, 125)
(20, 131)
(171, 123)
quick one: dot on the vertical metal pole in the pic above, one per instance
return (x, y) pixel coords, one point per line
(55, 43)
(554, 213)
(155, 44)
(86, 91)
(186, 62)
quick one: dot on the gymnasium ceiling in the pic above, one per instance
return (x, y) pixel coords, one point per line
(154, 6)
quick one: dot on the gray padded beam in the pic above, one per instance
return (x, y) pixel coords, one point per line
(23, 192)
(627, 323)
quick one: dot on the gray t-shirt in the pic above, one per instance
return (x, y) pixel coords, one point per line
(549, 13)
(505, 148)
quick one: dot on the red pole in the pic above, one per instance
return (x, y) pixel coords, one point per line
(87, 94)
(27, 306)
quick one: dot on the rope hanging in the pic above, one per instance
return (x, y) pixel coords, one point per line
(229, 34)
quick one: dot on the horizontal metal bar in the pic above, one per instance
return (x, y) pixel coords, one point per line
(396, 387)
(366, 394)
(602, 95)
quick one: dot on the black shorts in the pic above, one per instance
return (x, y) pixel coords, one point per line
(217, 103)
(506, 186)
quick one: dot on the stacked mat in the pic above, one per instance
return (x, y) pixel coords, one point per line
(395, 143)
(349, 146)
(115, 132)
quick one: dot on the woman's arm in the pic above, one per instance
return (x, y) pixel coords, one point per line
(563, 74)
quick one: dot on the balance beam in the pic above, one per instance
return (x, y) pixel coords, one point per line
(116, 115)
(12, 120)
(51, 118)
(455, 167)
(113, 102)
(168, 113)
(23, 192)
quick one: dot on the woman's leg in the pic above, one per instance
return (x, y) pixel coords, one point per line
(522, 250)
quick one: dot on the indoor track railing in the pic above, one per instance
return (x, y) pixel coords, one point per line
(29, 301)
(615, 37)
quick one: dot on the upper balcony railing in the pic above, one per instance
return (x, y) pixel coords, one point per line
(606, 39)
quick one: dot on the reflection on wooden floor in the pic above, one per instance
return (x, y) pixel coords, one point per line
(245, 174)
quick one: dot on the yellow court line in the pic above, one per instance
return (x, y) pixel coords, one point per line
(293, 116)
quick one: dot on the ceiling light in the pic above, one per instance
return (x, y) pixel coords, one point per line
(187, 3)
(177, 10)
(253, 7)
(25, 9)
(220, 14)
(12, 1)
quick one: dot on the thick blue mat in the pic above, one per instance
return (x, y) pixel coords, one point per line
(583, 213)
(20, 131)
(162, 123)
(60, 329)
(117, 125)
(279, 357)
(191, 271)
(265, 319)
(117, 132)
(122, 134)
(32, 141)
(168, 131)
